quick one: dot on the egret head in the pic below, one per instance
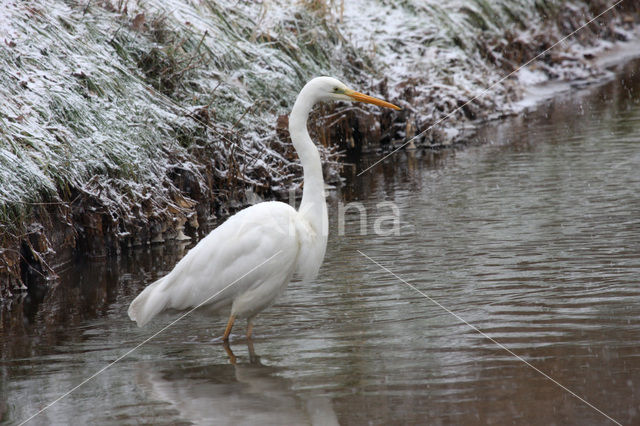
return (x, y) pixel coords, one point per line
(330, 89)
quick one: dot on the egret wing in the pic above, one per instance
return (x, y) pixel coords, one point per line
(256, 247)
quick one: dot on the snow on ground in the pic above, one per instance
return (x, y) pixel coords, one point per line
(114, 103)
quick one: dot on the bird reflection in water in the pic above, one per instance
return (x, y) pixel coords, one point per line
(235, 393)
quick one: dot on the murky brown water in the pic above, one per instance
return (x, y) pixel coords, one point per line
(533, 238)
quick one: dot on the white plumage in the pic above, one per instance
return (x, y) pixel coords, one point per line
(257, 251)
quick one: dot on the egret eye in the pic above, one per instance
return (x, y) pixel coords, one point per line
(336, 89)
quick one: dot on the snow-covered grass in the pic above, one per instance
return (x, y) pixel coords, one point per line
(438, 55)
(106, 101)
(143, 112)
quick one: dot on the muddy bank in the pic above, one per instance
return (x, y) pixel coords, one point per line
(201, 117)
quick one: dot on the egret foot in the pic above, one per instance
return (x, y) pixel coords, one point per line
(227, 331)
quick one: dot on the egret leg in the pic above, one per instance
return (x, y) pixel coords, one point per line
(253, 358)
(227, 348)
(249, 328)
(227, 331)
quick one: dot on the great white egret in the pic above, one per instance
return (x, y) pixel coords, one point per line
(248, 261)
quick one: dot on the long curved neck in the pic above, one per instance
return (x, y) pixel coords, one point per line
(313, 206)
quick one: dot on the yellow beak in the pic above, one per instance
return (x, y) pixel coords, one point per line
(361, 97)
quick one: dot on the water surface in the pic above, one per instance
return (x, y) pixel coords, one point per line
(533, 237)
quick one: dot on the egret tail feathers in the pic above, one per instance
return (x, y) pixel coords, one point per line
(149, 303)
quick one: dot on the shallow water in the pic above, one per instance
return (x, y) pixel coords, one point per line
(532, 237)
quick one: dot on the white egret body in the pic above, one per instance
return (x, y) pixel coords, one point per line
(256, 252)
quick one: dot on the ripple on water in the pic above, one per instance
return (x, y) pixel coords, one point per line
(533, 238)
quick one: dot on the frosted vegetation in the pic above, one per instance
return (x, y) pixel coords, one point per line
(141, 110)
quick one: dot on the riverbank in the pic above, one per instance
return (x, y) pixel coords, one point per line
(531, 237)
(126, 126)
